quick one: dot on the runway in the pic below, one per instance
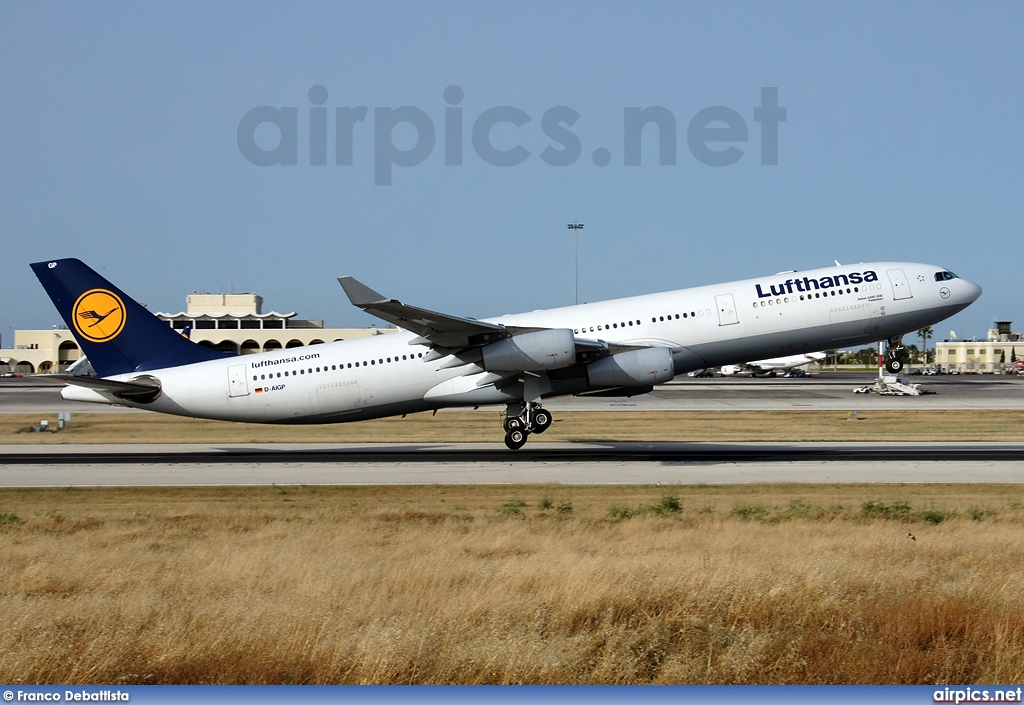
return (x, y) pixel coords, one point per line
(486, 463)
(560, 463)
(826, 390)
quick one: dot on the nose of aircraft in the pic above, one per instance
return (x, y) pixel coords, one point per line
(973, 291)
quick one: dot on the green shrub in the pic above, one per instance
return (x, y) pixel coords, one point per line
(897, 510)
(513, 507)
(750, 512)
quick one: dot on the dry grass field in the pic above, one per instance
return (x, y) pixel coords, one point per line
(484, 426)
(528, 584)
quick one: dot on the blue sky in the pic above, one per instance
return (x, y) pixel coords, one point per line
(119, 145)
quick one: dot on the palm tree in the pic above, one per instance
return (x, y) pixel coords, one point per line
(925, 333)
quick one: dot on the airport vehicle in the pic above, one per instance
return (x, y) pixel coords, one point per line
(619, 347)
(773, 366)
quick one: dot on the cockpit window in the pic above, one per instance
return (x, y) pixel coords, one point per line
(944, 276)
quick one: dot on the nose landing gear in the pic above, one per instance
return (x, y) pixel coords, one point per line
(893, 363)
(522, 420)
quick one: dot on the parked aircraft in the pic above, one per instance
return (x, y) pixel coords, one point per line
(618, 347)
(772, 366)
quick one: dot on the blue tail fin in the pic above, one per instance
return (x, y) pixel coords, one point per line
(117, 334)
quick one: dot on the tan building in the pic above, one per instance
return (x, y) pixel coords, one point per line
(232, 323)
(996, 353)
(40, 351)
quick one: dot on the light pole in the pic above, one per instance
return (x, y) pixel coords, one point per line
(576, 227)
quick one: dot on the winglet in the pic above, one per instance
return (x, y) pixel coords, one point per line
(359, 294)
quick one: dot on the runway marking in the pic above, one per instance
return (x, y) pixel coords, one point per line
(568, 453)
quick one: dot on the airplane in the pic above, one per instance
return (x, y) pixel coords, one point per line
(621, 347)
(772, 366)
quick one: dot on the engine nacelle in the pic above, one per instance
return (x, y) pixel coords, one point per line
(635, 368)
(532, 352)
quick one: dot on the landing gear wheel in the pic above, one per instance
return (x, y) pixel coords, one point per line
(541, 420)
(515, 439)
(893, 365)
(514, 422)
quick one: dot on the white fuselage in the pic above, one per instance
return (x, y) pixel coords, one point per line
(708, 326)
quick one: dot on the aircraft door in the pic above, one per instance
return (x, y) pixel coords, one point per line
(237, 386)
(900, 285)
(726, 310)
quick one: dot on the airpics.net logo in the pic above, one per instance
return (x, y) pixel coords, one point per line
(270, 136)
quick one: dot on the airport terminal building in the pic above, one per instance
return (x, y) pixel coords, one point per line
(997, 353)
(231, 323)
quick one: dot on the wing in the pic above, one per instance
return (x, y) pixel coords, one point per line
(433, 328)
(450, 335)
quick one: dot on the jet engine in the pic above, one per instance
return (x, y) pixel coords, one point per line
(634, 368)
(532, 352)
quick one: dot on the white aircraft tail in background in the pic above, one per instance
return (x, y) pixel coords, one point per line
(773, 366)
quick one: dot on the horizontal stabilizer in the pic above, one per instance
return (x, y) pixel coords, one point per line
(141, 389)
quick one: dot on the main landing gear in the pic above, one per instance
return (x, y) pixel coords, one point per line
(522, 420)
